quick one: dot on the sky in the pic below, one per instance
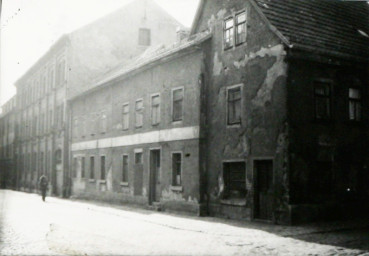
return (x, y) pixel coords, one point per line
(29, 28)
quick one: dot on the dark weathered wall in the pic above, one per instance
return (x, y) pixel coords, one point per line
(260, 67)
(338, 140)
(182, 71)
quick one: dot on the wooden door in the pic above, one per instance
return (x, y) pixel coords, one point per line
(263, 187)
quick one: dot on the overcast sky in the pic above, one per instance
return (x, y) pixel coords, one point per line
(29, 27)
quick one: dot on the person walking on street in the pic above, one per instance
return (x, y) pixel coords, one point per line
(43, 185)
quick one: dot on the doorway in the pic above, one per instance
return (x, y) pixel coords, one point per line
(154, 191)
(263, 189)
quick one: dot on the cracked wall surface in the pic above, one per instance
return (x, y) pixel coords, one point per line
(259, 66)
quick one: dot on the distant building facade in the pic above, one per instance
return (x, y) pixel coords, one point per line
(136, 137)
(8, 158)
(64, 71)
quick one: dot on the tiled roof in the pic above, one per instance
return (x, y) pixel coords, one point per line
(327, 26)
(151, 55)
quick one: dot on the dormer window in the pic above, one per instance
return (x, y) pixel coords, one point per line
(144, 37)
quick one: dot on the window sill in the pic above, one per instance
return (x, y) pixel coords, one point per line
(234, 201)
(178, 122)
(91, 180)
(124, 184)
(232, 126)
(176, 188)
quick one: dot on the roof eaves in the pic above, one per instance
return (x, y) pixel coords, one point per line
(152, 60)
(197, 17)
(269, 24)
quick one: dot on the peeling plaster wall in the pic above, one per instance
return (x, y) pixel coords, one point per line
(260, 66)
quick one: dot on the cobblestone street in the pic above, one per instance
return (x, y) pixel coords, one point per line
(64, 227)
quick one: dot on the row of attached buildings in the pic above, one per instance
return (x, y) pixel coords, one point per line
(260, 111)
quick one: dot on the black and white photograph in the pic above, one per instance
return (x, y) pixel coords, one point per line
(184, 127)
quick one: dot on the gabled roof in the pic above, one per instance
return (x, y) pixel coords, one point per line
(328, 26)
(334, 27)
(149, 57)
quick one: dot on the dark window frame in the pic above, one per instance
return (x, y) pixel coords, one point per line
(177, 105)
(325, 98)
(125, 168)
(232, 105)
(102, 167)
(356, 102)
(177, 166)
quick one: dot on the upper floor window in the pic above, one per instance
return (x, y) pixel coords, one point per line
(234, 105)
(235, 30)
(125, 116)
(177, 104)
(322, 99)
(51, 80)
(60, 75)
(144, 37)
(354, 104)
(240, 28)
(103, 122)
(155, 109)
(228, 33)
(139, 113)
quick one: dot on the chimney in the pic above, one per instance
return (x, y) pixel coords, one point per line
(182, 33)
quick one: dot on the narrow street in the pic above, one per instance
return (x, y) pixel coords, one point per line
(63, 227)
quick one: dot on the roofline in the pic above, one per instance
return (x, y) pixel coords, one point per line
(62, 39)
(269, 25)
(151, 61)
(197, 16)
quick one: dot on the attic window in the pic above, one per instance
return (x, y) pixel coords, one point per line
(235, 30)
(144, 37)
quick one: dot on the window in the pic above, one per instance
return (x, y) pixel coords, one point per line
(240, 28)
(125, 168)
(51, 80)
(92, 167)
(234, 175)
(103, 122)
(138, 158)
(155, 109)
(234, 105)
(144, 35)
(235, 30)
(176, 169)
(139, 113)
(354, 104)
(83, 164)
(177, 97)
(102, 165)
(228, 33)
(322, 97)
(60, 73)
(75, 167)
(125, 117)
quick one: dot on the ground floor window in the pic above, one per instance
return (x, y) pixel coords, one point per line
(176, 169)
(234, 175)
(125, 168)
(92, 167)
(102, 163)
